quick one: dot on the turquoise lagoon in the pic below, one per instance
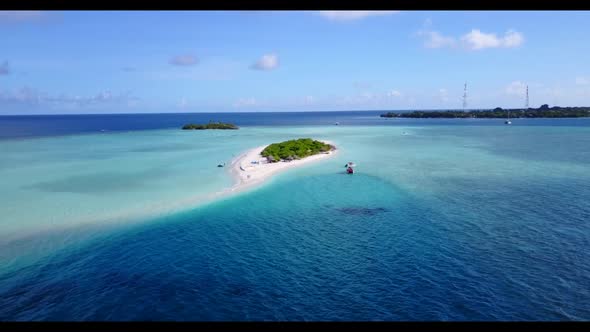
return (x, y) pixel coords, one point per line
(443, 222)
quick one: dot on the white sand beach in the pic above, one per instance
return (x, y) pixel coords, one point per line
(246, 173)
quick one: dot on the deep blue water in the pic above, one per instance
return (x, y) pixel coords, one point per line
(354, 256)
(461, 220)
(52, 125)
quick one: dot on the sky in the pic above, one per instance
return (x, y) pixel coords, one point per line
(71, 62)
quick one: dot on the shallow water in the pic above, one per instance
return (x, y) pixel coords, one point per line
(440, 222)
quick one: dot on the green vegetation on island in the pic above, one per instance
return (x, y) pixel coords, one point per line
(295, 149)
(210, 125)
(542, 112)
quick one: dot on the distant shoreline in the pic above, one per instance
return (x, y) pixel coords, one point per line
(543, 112)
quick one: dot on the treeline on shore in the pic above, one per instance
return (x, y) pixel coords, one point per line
(210, 125)
(294, 149)
(542, 112)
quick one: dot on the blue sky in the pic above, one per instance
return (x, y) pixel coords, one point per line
(244, 61)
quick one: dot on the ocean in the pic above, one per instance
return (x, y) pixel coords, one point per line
(117, 217)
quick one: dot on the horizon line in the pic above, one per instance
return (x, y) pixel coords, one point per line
(256, 112)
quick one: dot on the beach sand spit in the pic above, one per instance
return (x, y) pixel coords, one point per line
(247, 174)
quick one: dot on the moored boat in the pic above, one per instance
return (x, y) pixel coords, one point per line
(349, 167)
(350, 164)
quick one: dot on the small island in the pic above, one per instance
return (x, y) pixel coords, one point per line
(210, 125)
(542, 112)
(295, 149)
(258, 164)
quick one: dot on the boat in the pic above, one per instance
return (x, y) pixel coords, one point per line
(508, 119)
(337, 123)
(221, 165)
(349, 167)
(350, 164)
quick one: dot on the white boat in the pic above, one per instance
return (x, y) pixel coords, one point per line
(349, 167)
(337, 123)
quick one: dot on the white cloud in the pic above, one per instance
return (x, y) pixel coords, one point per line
(477, 40)
(513, 39)
(516, 88)
(216, 70)
(183, 60)
(246, 102)
(582, 81)
(436, 40)
(4, 69)
(474, 40)
(353, 15)
(266, 62)
(394, 93)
